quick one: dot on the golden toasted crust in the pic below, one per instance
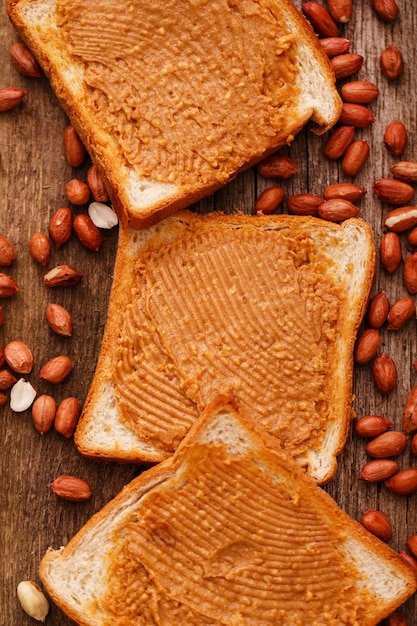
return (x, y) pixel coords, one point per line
(322, 105)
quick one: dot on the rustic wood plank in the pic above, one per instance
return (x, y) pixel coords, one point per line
(33, 172)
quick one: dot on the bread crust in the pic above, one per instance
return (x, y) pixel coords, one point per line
(45, 42)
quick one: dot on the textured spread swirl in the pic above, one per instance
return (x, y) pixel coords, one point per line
(248, 312)
(196, 87)
(222, 543)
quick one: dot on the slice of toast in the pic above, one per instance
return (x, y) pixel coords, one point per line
(264, 307)
(227, 531)
(173, 99)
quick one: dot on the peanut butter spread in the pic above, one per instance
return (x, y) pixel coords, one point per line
(189, 90)
(220, 542)
(245, 311)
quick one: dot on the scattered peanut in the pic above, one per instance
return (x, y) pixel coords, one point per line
(7, 252)
(89, 235)
(56, 370)
(11, 97)
(393, 191)
(404, 482)
(337, 210)
(340, 10)
(345, 65)
(333, 46)
(43, 413)
(74, 147)
(269, 200)
(410, 273)
(8, 286)
(40, 248)
(390, 252)
(386, 9)
(359, 91)
(320, 19)
(18, 357)
(355, 157)
(102, 215)
(338, 142)
(384, 372)
(405, 171)
(401, 219)
(24, 61)
(367, 346)
(7, 380)
(412, 545)
(59, 319)
(347, 191)
(77, 191)
(378, 470)
(60, 226)
(392, 63)
(62, 276)
(356, 115)
(400, 313)
(67, 415)
(304, 204)
(71, 488)
(22, 395)
(377, 310)
(395, 137)
(277, 166)
(371, 425)
(96, 185)
(33, 600)
(378, 524)
(390, 443)
(409, 421)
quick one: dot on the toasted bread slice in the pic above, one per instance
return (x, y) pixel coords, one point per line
(172, 99)
(227, 531)
(264, 307)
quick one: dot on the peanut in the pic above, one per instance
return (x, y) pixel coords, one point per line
(269, 200)
(367, 346)
(371, 425)
(67, 415)
(390, 251)
(60, 226)
(320, 19)
(277, 166)
(395, 137)
(24, 61)
(378, 524)
(40, 248)
(71, 488)
(355, 157)
(56, 370)
(74, 147)
(404, 482)
(392, 63)
(89, 235)
(390, 443)
(377, 310)
(384, 372)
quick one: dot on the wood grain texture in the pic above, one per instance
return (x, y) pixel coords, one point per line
(33, 173)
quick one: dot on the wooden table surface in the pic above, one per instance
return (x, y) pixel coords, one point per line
(33, 173)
